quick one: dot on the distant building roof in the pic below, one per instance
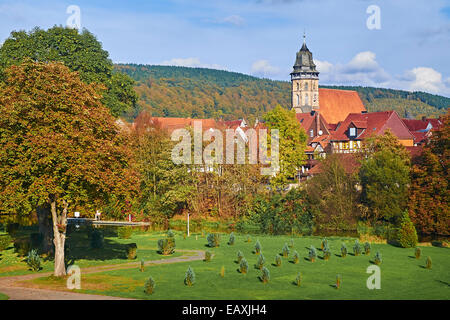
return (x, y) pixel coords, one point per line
(336, 105)
(349, 161)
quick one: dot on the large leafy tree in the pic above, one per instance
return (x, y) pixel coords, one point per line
(384, 177)
(81, 52)
(59, 147)
(292, 143)
(429, 194)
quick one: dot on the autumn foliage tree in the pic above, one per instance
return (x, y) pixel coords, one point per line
(429, 196)
(59, 147)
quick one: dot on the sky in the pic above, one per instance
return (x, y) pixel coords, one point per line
(400, 44)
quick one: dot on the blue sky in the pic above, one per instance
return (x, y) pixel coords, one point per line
(260, 37)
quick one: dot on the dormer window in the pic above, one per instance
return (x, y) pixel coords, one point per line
(352, 132)
(311, 133)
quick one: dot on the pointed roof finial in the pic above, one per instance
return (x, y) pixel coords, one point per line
(304, 36)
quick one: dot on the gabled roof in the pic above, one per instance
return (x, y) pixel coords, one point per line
(422, 125)
(348, 160)
(336, 105)
(171, 124)
(377, 123)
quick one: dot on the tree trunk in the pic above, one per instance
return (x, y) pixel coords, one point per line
(59, 236)
(45, 228)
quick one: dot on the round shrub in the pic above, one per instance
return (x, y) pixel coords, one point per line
(260, 262)
(265, 275)
(34, 260)
(131, 250)
(243, 266)
(124, 232)
(170, 234)
(5, 241)
(406, 233)
(189, 277)
(149, 286)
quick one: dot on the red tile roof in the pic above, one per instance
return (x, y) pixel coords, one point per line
(415, 125)
(336, 105)
(377, 122)
(349, 161)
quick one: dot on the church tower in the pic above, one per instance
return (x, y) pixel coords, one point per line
(305, 82)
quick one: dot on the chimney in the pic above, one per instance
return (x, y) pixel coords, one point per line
(317, 123)
(424, 118)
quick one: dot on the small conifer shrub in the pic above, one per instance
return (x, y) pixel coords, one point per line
(296, 257)
(324, 243)
(142, 266)
(326, 253)
(298, 279)
(166, 246)
(428, 263)
(207, 256)
(285, 251)
(291, 243)
(260, 262)
(278, 260)
(243, 266)
(149, 286)
(377, 258)
(312, 254)
(343, 250)
(367, 248)
(257, 247)
(232, 239)
(240, 255)
(213, 240)
(338, 281)
(249, 239)
(357, 248)
(417, 253)
(170, 234)
(265, 275)
(131, 250)
(34, 260)
(222, 271)
(189, 278)
(406, 233)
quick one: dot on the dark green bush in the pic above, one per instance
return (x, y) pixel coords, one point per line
(5, 241)
(34, 260)
(131, 250)
(189, 277)
(12, 228)
(213, 240)
(22, 246)
(170, 234)
(406, 233)
(149, 286)
(265, 275)
(97, 240)
(125, 232)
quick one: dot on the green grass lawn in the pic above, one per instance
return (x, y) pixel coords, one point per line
(82, 255)
(402, 275)
(3, 296)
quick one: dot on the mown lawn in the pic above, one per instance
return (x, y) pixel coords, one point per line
(3, 296)
(83, 255)
(402, 275)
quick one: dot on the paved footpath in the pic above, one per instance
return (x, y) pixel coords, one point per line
(12, 287)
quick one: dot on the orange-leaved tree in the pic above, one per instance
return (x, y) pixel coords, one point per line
(59, 147)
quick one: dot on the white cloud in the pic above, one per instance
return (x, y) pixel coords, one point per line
(264, 68)
(426, 79)
(190, 62)
(362, 62)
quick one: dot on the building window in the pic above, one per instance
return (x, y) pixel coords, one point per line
(352, 132)
(311, 133)
(298, 99)
(306, 99)
(298, 87)
(306, 85)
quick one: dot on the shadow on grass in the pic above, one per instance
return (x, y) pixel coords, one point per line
(443, 282)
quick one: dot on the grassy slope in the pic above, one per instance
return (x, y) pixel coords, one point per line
(402, 276)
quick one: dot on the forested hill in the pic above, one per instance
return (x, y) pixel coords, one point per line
(208, 93)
